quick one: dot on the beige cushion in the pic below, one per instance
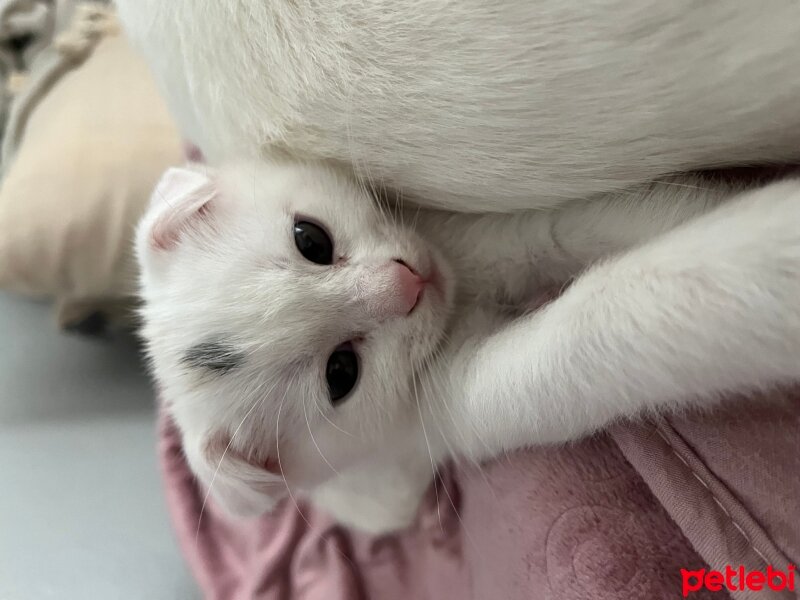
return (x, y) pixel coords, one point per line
(89, 155)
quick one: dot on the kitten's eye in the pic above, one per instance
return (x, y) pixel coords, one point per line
(341, 372)
(313, 243)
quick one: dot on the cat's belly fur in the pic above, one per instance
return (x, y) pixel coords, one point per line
(483, 104)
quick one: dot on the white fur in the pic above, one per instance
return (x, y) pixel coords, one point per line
(482, 104)
(682, 301)
(236, 275)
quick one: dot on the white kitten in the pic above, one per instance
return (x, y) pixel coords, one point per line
(298, 331)
(482, 104)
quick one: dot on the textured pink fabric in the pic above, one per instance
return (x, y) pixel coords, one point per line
(569, 523)
(731, 480)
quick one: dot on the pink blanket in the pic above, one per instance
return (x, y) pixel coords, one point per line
(611, 518)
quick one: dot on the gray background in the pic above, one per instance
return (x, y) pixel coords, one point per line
(82, 513)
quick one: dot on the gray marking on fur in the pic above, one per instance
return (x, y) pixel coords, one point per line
(214, 355)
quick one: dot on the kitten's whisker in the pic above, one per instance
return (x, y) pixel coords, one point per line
(435, 366)
(286, 482)
(382, 202)
(464, 527)
(432, 414)
(396, 206)
(278, 456)
(450, 448)
(437, 362)
(377, 201)
(216, 471)
(365, 178)
(428, 444)
(313, 440)
(416, 216)
(681, 185)
(332, 424)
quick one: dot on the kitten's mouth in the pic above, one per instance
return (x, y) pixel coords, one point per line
(414, 285)
(432, 279)
(416, 304)
(435, 278)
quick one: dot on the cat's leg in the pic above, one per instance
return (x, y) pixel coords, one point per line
(708, 308)
(377, 497)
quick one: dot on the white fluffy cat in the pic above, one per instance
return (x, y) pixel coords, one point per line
(482, 104)
(307, 339)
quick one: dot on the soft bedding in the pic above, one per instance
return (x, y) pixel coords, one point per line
(615, 517)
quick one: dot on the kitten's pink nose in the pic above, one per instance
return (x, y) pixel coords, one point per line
(409, 287)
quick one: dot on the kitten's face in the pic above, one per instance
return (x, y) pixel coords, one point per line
(285, 318)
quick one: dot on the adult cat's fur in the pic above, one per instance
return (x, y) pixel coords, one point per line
(483, 104)
(686, 300)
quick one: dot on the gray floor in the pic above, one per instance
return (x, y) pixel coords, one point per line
(81, 510)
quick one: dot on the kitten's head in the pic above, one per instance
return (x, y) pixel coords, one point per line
(285, 315)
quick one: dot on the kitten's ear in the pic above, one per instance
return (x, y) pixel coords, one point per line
(243, 486)
(192, 153)
(181, 198)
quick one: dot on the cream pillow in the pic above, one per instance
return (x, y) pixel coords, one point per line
(85, 159)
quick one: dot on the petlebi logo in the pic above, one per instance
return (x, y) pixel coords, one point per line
(736, 579)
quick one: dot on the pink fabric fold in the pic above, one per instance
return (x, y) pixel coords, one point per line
(730, 480)
(576, 522)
